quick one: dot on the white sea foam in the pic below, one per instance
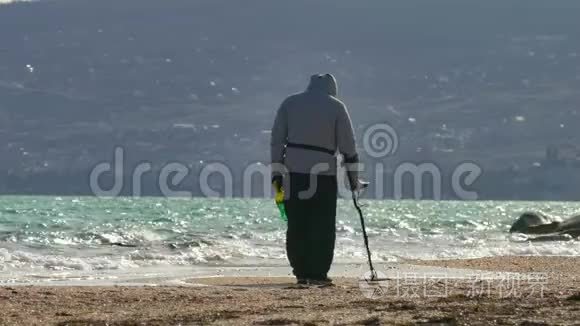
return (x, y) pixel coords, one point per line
(3, 2)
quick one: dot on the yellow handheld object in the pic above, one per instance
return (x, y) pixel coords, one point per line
(279, 198)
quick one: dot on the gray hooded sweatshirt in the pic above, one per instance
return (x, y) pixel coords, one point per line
(311, 128)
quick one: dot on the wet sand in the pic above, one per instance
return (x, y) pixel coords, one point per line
(550, 295)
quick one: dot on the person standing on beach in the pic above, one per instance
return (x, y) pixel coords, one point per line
(309, 130)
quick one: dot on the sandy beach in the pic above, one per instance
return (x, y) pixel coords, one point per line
(537, 291)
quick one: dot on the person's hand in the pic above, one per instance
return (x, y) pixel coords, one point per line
(359, 185)
(355, 183)
(277, 182)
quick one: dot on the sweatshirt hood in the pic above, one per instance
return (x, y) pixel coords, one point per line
(323, 84)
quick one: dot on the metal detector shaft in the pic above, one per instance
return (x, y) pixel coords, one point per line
(366, 238)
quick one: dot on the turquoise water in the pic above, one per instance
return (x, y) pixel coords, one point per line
(50, 235)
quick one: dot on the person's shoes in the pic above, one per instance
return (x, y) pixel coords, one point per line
(302, 281)
(321, 282)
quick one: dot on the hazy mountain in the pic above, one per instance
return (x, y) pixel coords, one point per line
(493, 82)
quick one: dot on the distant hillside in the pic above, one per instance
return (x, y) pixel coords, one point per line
(492, 82)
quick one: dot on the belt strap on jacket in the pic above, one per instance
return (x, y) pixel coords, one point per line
(311, 148)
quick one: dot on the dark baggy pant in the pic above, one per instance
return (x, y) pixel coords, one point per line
(311, 224)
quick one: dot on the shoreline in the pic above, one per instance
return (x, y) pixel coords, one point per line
(182, 275)
(162, 275)
(275, 300)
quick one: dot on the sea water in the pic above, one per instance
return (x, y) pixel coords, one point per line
(52, 238)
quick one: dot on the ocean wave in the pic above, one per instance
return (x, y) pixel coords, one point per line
(19, 259)
(90, 236)
(242, 252)
(5, 2)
